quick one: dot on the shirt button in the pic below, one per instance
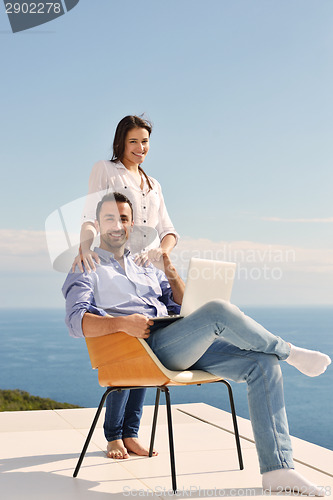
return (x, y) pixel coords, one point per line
(144, 207)
(143, 194)
(125, 187)
(144, 235)
(144, 221)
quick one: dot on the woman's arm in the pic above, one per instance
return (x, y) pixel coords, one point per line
(155, 254)
(166, 231)
(168, 243)
(165, 228)
(86, 255)
(98, 182)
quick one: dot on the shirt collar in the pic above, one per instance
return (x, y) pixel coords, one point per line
(118, 164)
(107, 256)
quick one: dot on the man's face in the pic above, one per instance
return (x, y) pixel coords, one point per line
(115, 223)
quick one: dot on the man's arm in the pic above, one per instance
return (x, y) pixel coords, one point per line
(136, 325)
(85, 319)
(176, 283)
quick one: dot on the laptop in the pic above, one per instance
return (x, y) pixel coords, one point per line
(206, 280)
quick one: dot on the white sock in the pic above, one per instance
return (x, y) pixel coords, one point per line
(291, 482)
(311, 363)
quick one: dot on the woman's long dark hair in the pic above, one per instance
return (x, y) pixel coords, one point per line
(123, 127)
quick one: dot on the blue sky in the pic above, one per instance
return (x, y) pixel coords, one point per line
(240, 94)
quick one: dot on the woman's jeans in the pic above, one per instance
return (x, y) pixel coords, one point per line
(220, 339)
(123, 414)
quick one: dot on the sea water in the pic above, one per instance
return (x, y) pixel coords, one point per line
(37, 355)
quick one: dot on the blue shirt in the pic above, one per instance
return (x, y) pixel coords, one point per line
(116, 291)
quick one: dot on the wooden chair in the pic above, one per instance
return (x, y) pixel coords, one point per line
(126, 362)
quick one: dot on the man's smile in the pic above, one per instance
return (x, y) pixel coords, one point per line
(117, 234)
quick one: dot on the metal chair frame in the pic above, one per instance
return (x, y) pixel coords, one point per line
(165, 389)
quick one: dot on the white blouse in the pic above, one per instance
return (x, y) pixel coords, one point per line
(151, 219)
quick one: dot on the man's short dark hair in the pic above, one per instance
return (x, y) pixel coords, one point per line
(117, 197)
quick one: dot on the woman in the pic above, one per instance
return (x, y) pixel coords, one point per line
(154, 231)
(153, 234)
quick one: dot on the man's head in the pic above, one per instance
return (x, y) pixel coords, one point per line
(117, 197)
(114, 221)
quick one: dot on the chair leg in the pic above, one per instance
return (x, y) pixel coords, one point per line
(153, 429)
(92, 428)
(171, 446)
(234, 420)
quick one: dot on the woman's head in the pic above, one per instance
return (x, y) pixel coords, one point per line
(123, 128)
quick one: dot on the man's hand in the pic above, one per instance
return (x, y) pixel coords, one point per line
(136, 325)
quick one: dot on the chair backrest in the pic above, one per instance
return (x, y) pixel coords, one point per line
(123, 361)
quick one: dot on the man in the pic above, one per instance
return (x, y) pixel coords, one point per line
(218, 337)
(83, 291)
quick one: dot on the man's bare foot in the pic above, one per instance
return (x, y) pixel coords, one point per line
(134, 445)
(116, 449)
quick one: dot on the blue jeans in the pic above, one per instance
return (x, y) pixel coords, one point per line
(220, 339)
(123, 414)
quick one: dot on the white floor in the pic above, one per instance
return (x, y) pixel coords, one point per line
(39, 451)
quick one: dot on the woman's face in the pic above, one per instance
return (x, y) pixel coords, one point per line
(136, 146)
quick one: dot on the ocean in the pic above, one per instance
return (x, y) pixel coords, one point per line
(37, 355)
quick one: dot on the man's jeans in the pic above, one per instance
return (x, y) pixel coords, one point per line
(123, 414)
(220, 339)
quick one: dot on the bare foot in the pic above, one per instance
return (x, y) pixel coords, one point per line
(116, 449)
(134, 445)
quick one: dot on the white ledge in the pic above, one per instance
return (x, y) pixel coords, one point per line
(39, 451)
